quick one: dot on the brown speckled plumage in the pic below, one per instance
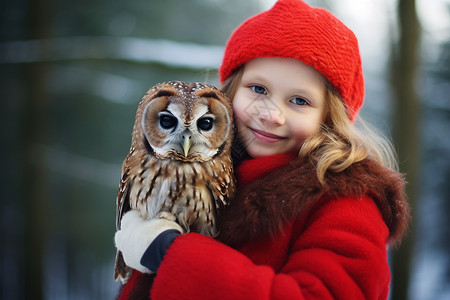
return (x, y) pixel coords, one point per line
(179, 161)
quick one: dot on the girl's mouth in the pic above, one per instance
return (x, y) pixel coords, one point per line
(265, 136)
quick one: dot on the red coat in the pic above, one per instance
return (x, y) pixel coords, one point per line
(285, 236)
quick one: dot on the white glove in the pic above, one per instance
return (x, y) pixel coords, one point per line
(136, 235)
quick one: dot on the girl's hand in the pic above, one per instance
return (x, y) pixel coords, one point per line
(137, 235)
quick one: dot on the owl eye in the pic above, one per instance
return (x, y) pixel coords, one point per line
(167, 121)
(205, 124)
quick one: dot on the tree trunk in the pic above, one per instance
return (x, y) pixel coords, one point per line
(34, 133)
(406, 132)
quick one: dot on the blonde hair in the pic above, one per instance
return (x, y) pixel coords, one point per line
(339, 143)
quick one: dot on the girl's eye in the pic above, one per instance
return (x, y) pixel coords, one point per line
(259, 89)
(299, 101)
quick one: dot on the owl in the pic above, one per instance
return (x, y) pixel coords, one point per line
(179, 163)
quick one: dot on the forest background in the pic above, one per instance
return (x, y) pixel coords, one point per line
(73, 72)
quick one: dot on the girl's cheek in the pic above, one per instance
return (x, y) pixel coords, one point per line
(240, 110)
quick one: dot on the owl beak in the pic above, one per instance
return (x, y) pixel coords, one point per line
(186, 144)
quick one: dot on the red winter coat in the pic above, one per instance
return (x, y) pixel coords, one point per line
(287, 237)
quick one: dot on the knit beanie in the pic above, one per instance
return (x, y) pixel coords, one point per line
(293, 29)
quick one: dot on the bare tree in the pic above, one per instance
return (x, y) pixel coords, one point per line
(33, 132)
(406, 130)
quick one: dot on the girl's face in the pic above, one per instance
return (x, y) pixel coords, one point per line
(279, 102)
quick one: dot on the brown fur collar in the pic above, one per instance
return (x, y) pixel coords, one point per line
(263, 206)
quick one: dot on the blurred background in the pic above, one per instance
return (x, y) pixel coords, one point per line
(73, 72)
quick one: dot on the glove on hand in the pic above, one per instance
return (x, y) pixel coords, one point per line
(136, 235)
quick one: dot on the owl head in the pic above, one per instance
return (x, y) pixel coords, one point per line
(184, 121)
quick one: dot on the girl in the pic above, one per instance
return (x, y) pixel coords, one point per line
(317, 200)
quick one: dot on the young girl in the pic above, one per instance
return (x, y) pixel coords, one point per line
(317, 200)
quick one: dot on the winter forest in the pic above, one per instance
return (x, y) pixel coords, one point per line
(73, 72)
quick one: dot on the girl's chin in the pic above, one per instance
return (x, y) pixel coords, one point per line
(255, 151)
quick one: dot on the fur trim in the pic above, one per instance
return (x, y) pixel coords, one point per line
(265, 205)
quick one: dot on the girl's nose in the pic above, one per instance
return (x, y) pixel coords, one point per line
(269, 112)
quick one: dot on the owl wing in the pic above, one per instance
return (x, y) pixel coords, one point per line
(224, 186)
(123, 205)
(123, 197)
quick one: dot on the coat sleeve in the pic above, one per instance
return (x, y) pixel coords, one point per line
(341, 254)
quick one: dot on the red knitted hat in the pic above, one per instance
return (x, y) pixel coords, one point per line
(293, 29)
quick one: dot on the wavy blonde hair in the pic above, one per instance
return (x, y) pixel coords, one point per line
(339, 143)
